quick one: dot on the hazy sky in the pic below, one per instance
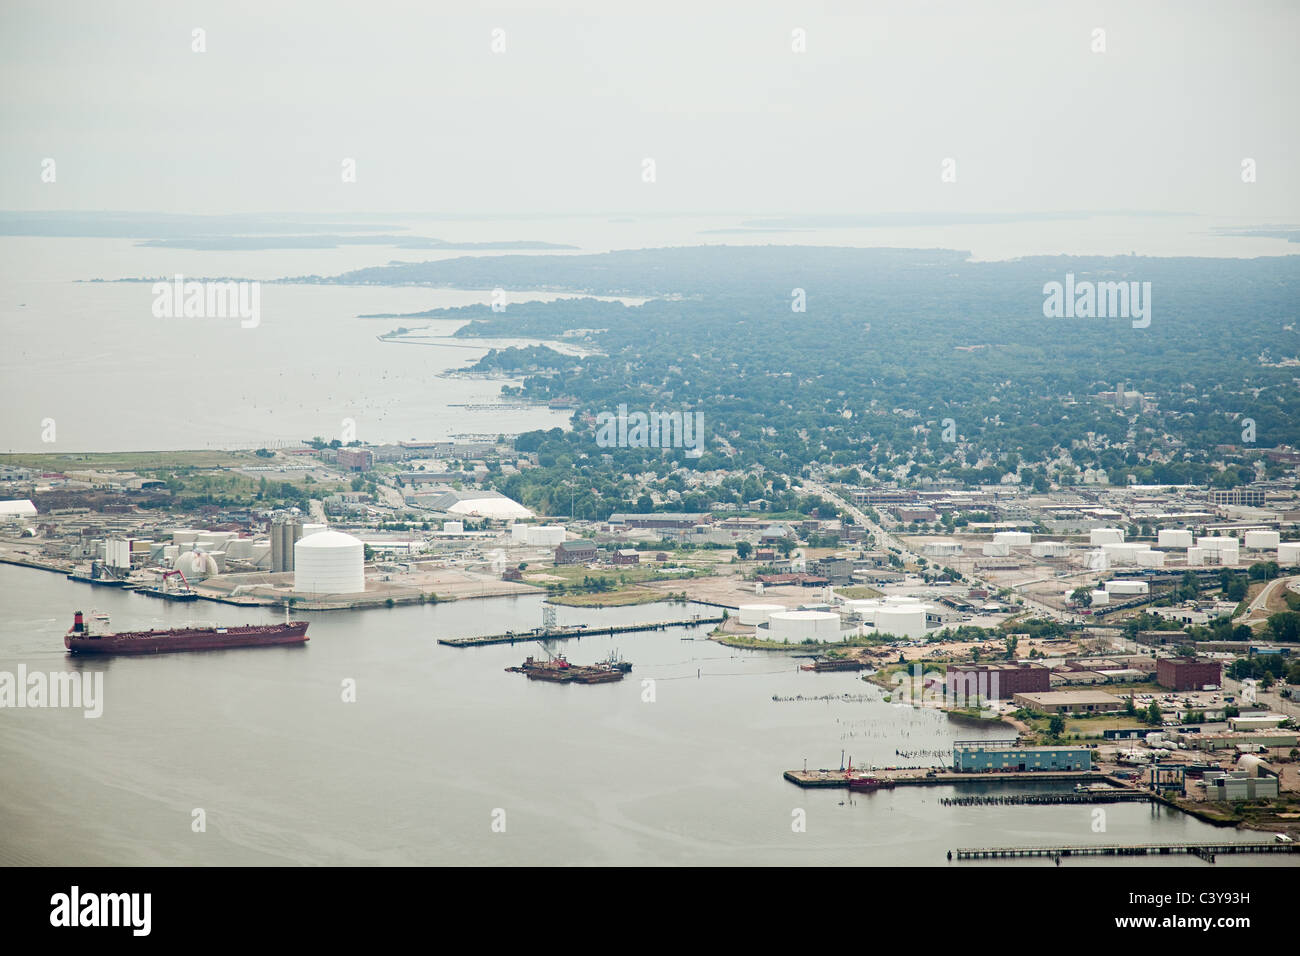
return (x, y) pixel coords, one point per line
(712, 91)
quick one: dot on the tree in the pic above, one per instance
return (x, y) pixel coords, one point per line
(743, 550)
(1056, 726)
(1154, 715)
(1082, 596)
(1130, 708)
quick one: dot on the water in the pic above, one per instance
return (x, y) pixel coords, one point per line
(439, 739)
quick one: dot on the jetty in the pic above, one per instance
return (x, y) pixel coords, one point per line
(1206, 851)
(571, 631)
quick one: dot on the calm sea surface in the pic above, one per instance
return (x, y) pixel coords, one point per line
(441, 742)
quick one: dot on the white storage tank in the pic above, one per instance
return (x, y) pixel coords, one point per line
(240, 548)
(1100, 598)
(544, 535)
(941, 548)
(1195, 557)
(901, 620)
(755, 614)
(1288, 553)
(1148, 558)
(1126, 587)
(1217, 543)
(170, 553)
(996, 549)
(329, 562)
(260, 554)
(1049, 549)
(1174, 538)
(195, 565)
(310, 529)
(1121, 553)
(1262, 540)
(184, 537)
(1099, 536)
(1014, 539)
(795, 626)
(519, 533)
(453, 527)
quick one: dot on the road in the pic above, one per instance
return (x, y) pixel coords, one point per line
(1259, 606)
(888, 540)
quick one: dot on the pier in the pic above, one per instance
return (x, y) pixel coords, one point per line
(928, 776)
(1050, 799)
(571, 631)
(1206, 851)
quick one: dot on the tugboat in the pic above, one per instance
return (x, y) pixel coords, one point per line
(866, 783)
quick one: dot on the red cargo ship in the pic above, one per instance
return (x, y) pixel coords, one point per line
(79, 639)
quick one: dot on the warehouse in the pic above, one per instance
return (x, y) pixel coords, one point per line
(1071, 702)
(996, 681)
(1188, 673)
(978, 756)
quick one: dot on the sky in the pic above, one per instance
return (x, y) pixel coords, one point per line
(563, 118)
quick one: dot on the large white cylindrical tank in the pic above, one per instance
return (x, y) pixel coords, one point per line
(901, 620)
(170, 553)
(796, 626)
(1015, 539)
(1049, 549)
(453, 527)
(941, 548)
(864, 608)
(755, 614)
(1261, 540)
(310, 529)
(240, 548)
(519, 533)
(996, 549)
(195, 565)
(184, 537)
(260, 554)
(1217, 543)
(1149, 558)
(1288, 553)
(1174, 538)
(1195, 557)
(1100, 598)
(544, 535)
(1126, 587)
(329, 562)
(1099, 536)
(1121, 553)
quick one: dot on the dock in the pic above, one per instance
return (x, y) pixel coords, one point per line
(1051, 799)
(1206, 851)
(924, 776)
(571, 631)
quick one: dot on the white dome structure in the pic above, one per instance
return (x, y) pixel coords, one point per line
(801, 625)
(755, 614)
(195, 565)
(329, 562)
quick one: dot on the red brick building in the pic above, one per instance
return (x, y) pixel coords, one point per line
(1188, 673)
(996, 681)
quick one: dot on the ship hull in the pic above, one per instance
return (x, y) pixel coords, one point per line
(188, 639)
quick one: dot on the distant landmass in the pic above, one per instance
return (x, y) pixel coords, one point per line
(228, 243)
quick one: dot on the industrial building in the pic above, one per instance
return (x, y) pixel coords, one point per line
(1071, 702)
(978, 756)
(996, 681)
(1188, 673)
(581, 551)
